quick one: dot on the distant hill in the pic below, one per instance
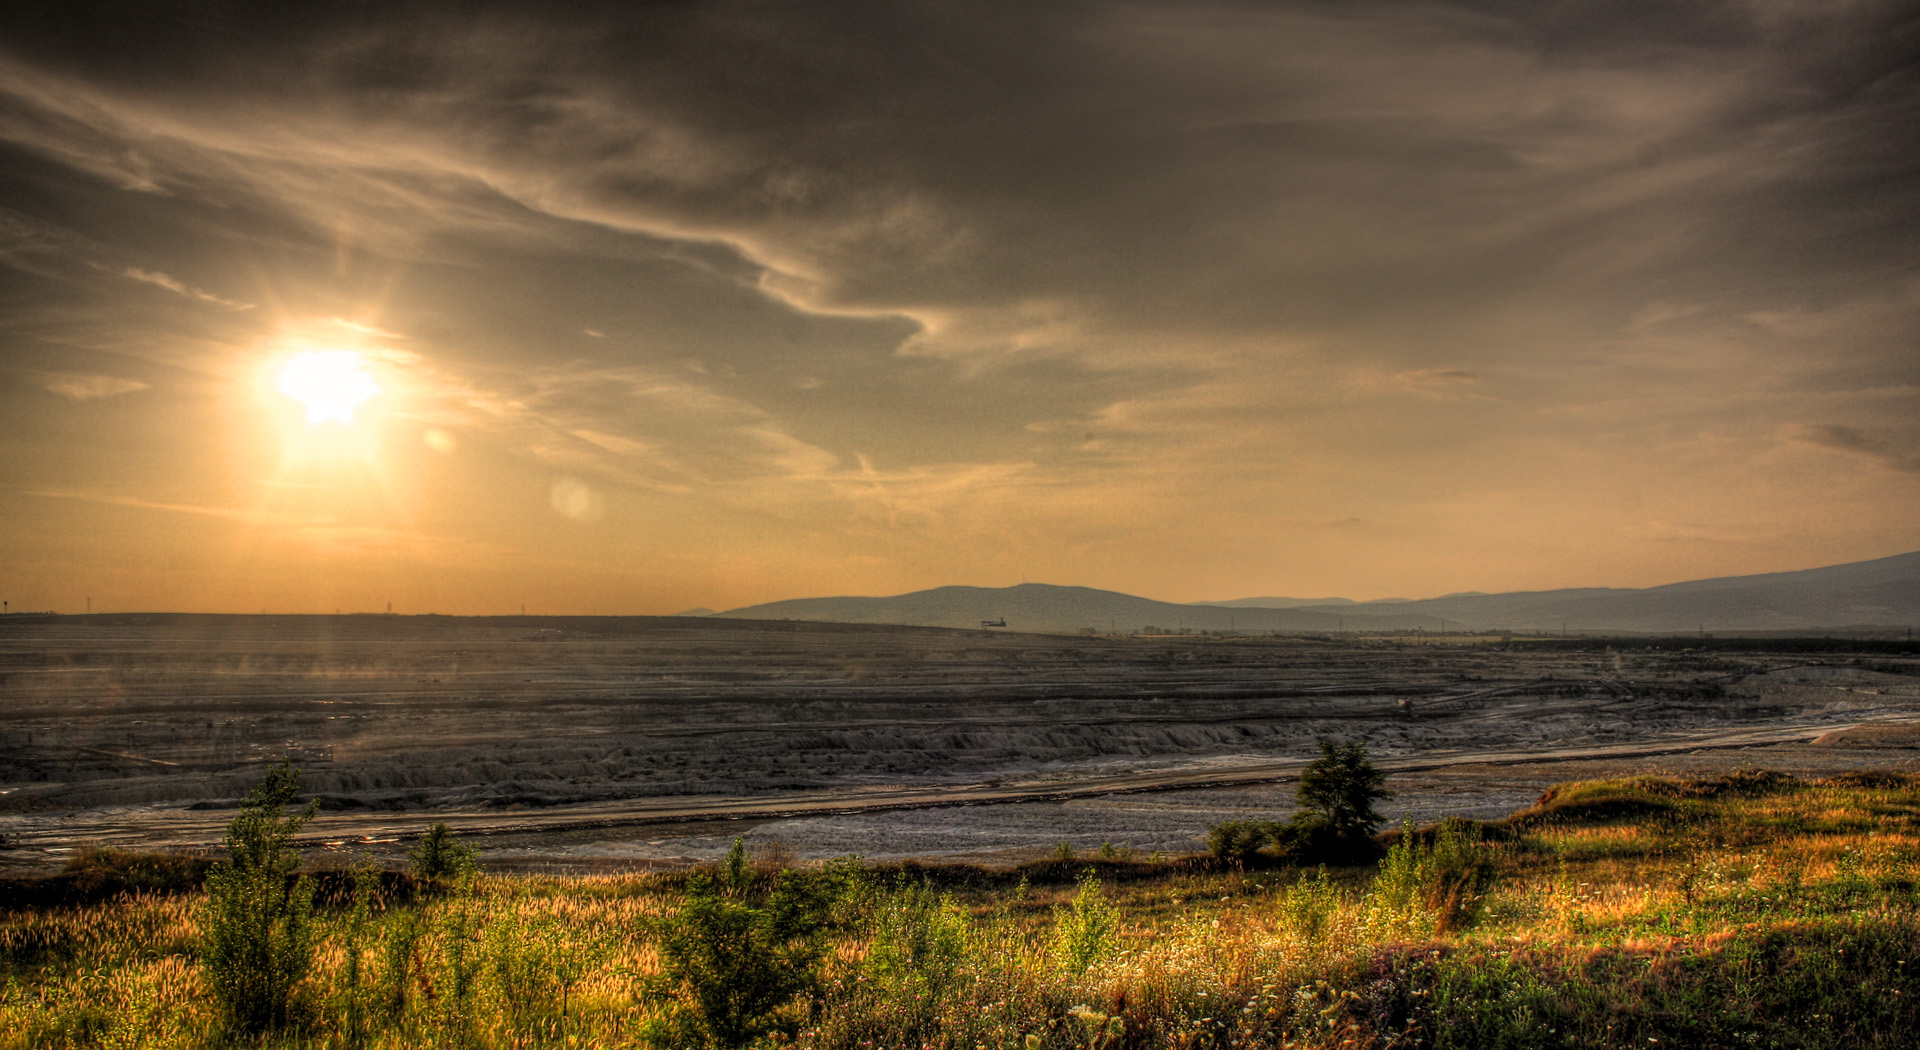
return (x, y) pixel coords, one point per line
(1278, 603)
(1883, 593)
(1880, 593)
(1044, 607)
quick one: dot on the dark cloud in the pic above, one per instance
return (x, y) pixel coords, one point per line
(1888, 449)
(1230, 256)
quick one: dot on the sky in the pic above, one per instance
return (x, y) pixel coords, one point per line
(709, 304)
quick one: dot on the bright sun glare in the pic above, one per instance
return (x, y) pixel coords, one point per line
(331, 383)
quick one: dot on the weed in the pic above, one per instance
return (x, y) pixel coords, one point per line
(1084, 931)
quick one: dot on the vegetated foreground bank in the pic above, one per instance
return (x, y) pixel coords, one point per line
(1745, 910)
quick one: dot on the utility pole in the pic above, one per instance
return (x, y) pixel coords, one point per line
(89, 606)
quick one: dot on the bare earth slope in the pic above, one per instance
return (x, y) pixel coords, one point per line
(147, 729)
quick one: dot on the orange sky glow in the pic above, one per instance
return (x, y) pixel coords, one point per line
(632, 312)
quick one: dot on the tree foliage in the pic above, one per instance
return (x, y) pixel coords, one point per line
(257, 940)
(1340, 788)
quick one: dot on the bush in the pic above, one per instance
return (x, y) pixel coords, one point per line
(1236, 841)
(914, 960)
(1431, 883)
(1085, 931)
(917, 937)
(440, 856)
(739, 956)
(257, 940)
(1310, 839)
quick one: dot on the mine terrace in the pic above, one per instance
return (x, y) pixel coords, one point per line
(592, 742)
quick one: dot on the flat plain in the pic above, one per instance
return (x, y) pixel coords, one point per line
(576, 744)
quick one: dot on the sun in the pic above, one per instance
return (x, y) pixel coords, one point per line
(331, 383)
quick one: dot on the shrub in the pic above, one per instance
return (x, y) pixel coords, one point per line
(738, 958)
(1431, 883)
(1085, 931)
(1310, 903)
(738, 867)
(258, 942)
(914, 961)
(1238, 840)
(104, 871)
(354, 995)
(917, 937)
(440, 856)
(849, 892)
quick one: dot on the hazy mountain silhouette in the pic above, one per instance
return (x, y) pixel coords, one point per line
(1278, 603)
(1044, 607)
(1884, 592)
(1880, 593)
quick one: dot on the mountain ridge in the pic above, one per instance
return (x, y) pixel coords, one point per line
(1882, 593)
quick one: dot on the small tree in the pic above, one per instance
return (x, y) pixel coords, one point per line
(739, 953)
(256, 939)
(440, 855)
(1341, 786)
(1337, 821)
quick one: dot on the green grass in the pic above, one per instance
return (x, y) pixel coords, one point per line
(1746, 911)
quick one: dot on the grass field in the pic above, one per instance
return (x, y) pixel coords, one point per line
(1747, 911)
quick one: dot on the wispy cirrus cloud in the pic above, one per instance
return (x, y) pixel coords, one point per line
(177, 287)
(83, 387)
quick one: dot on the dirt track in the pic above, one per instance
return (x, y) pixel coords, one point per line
(575, 741)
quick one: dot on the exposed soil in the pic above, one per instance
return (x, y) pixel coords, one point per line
(593, 742)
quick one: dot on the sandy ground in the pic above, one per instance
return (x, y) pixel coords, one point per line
(590, 744)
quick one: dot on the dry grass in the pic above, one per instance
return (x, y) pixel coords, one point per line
(1751, 911)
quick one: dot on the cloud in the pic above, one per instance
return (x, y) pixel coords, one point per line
(81, 387)
(245, 515)
(1442, 381)
(1096, 267)
(1886, 449)
(163, 281)
(320, 532)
